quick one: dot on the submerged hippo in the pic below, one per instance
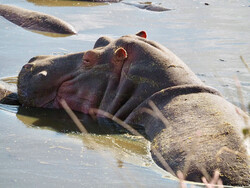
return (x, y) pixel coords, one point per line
(194, 129)
(35, 21)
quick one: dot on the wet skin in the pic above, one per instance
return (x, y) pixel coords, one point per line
(35, 21)
(200, 131)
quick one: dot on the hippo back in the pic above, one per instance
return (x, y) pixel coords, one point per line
(201, 133)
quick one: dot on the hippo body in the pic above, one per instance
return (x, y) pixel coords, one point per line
(35, 21)
(195, 129)
(200, 134)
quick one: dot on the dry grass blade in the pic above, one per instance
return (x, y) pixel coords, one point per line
(162, 161)
(73, 116)
(158, 113)
(204, 172)
(190, 158)
(215, 181)
(92, 141)
(181, 179)
(117, 120)
(155, 112)
(245, 63)
(134, 132)
(230, 151)
(240, 94)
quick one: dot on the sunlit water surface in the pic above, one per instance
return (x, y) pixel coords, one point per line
(36, 147)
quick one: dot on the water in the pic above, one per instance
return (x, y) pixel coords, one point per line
(36, 147)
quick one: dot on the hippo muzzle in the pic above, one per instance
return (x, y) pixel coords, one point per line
(40, 79)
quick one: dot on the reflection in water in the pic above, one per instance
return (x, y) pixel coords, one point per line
(33, 155)
(58, 120)
(49, 34)
(118, 143)
(104, 136)
(65, 3)
(107, 136)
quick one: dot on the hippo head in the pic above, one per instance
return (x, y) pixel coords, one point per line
(115, 76)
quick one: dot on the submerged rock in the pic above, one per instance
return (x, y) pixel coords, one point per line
(149, 6)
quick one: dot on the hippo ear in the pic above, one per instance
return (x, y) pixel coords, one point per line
(120, 54)
(142, 34)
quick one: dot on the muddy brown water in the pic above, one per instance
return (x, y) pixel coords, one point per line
(37, 147)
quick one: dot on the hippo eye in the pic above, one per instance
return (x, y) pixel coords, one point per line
(87, 63)
(90, 58)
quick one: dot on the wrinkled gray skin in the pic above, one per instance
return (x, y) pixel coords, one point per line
(35, 21)
(201, 130)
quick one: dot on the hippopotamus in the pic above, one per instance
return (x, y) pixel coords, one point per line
(191, 127)
(35, 21)
(46, 24)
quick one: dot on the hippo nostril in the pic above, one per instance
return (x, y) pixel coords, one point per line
(28, 66)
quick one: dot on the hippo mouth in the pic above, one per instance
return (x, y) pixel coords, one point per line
(54, 101)
(78, 99)
(51, 100)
